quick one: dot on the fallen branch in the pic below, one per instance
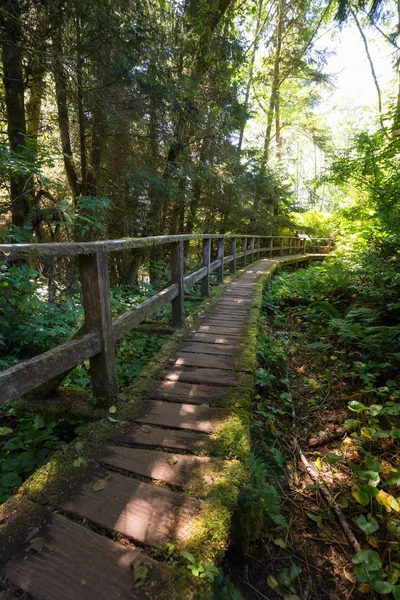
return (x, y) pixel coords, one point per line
(328, 498)
(327, 436)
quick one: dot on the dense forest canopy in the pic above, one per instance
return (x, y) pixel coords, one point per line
(138, 118)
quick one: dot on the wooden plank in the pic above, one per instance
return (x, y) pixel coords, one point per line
(218, 349)
(163, 438)
(215, 329)
(179, 416)
(226, 317)
(133, 317)
(236, 327)
(224, 301)
(76, 563)
(192, 278)
(215, 264)
(13, 251)
(211, 338)
(146, 513)
(30, 374)
(204, 360)
(154, 464)
(200, 375)
(96, 304)
(16, 251)
(177, 273)
(190, 393)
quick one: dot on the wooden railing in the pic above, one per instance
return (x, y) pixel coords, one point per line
(103, 331)
(320, 245)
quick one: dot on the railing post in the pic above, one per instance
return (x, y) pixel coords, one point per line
(271, 245)
(252, 249)
(205, 282)
(233, 252)
(258, 248)
(281, 247)
(96, 304)
(244, 249)
(220, 256)
(177, 272)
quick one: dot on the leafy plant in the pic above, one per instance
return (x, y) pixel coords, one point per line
(201, 568)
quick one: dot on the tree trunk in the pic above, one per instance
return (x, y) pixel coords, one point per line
(275, 82)
(251, 73)
(11, 46)
(62, 108)
(213, 16)
(371, 65)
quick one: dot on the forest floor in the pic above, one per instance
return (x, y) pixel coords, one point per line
(307, 443)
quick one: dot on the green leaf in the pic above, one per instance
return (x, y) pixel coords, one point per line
(382, 587)
(5, 430)
(396, 592)
(356, 406)
(367, 524)
(188, 556)
(371, 477)
(11, 480)
(13, 444)
(279, 542)
(112, 410)
(369, 559)
(315, 518)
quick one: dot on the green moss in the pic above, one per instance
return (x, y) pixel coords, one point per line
(209, 532)
(176, 582)
(217, 479)
(231, 437)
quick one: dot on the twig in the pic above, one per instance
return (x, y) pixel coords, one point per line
(323, 489)
(328, 498)
(256, 590)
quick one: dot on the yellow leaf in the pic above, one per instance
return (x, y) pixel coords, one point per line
(350, 575)
(318, 463)
(366, 432)
(388, 501)
(272, 582)
(388, 469)
(373, 541)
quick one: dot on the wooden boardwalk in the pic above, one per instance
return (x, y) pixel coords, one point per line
(144, 471)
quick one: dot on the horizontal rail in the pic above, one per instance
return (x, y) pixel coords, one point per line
(98, 345)
(61, 249)
(130, 319)
(30, 374)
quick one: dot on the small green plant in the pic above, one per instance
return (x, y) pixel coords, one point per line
(201, 568)
(29, 444)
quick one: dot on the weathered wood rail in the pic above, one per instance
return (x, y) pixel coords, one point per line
(103, 331)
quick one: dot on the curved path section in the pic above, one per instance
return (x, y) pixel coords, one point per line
(139, 489)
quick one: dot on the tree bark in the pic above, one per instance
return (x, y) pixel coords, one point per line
(209, 25)
(11, 46)
(275, 82)
(251, 73)
(371, 65)
(62, 108)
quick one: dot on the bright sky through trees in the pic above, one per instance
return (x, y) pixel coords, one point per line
(351, 75)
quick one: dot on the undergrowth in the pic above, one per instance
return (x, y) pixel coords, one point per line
(328, 380)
